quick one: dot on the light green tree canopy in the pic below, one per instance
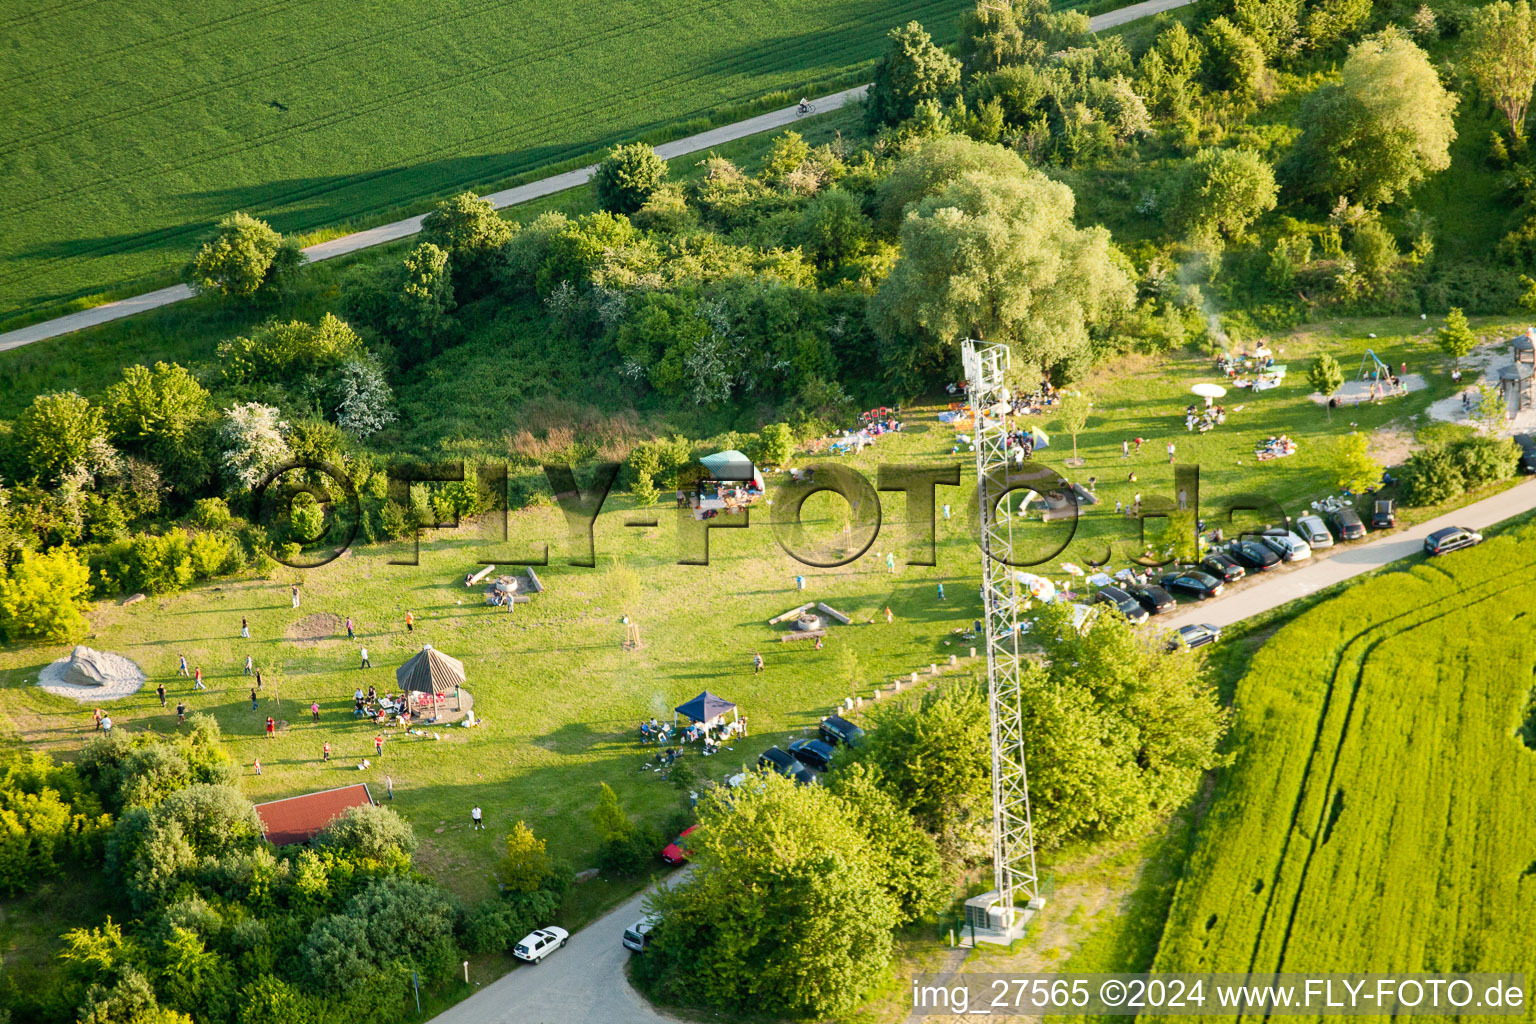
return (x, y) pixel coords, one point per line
(996, 257)
(1325, 375)
(738, 934)
(1501, 56)
(243, 259)
(1219, 192)
(627, 177)
(1383, 129)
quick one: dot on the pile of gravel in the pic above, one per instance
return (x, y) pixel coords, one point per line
(89, 676)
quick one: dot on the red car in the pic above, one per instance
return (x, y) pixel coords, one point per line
(678, 850)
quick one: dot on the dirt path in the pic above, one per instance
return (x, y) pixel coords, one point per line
(110, 311)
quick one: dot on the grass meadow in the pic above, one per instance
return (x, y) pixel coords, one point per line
(127, 132)
(1378, 811)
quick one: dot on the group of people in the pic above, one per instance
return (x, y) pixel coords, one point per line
(381, 708)
(1209, 418)
(1037, 401)
(1260, 360)
(712, 735)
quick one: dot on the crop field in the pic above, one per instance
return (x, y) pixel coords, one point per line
(1379, 810)
(128, 127)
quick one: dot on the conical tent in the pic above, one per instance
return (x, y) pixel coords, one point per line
(431, 671)
(705, 707)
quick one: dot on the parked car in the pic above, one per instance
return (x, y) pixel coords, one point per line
(1314, 531)
(638, 935)
(1223, 567)
(1527, 445)
(1193, 582)
(1452, 538)
(1123, 602)
(835, 729)
(1288, 546)
(1347, 524)
(813, 753)
(680, 849)
(1253, 555)
(1153, 598)
(1193, 636)
(1384, 514)
(785, 764)
(537, 945)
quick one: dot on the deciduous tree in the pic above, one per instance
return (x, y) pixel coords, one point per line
(912, 70)
(1501, 56)
(244, 259)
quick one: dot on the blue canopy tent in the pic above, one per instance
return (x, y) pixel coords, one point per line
(706, 707)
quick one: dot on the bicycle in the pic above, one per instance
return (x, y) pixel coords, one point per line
(805, 111)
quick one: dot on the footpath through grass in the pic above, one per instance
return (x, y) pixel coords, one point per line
(126, 134)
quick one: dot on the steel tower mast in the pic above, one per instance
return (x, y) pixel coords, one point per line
(1013, 841)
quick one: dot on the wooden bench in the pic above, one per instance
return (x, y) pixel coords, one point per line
(792, 613)
(833, 613)
(807, 634)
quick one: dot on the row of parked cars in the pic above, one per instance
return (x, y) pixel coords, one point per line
(1260, 553)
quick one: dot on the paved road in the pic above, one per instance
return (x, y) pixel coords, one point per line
(582, 982)
(107, 312)
(1343, 561)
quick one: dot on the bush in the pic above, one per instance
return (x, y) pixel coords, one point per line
(47, 818)
(373, 832)
(494, 925)
(147, 563)
(1484, 460)
(60, 435)
(42, 596)
(281, 353)
(1432, 476)
(628, 853)
(211, 513)
(627, 177)
(215, 554)
(469, 230)
(244, 259)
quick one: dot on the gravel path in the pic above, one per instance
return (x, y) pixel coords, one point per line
(110, 311)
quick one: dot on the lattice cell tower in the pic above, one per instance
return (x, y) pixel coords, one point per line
(1000, 915)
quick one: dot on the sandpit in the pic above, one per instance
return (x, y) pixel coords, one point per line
(119, 677)
(1353, 392)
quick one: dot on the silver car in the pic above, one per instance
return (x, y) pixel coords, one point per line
(1288, 546)
(637, 935)
(1314, 531)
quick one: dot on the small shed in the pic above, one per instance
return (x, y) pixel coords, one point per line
(298, 819)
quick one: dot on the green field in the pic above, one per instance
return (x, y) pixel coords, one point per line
(127, 128)
(1378, 812)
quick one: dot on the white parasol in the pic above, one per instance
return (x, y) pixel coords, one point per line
(1071, 569)
(1208, 390)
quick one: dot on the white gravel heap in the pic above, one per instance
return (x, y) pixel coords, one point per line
(89, 676)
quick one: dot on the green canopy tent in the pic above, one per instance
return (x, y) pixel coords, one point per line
(732, 467)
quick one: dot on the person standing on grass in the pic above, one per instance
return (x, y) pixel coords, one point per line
(941, 591)
(818, 643)
(245, 629)
(887, 615)
(97, 717)
(757, 663)
(314, 711)
(1170, 453)
(294, 593)
(365, 663)
(106, 724)
(182, 671)
(256, 766)
(197, 678)
(410, 622)
(350, 634)
(247, 664)
(389, 786)
(378, 745)
(258, 679)
(890, 561)
(799, 582)
(181, 712)
(271, 727)
(325, 752)
(476, 821)
(160, 692)
(253, 698)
